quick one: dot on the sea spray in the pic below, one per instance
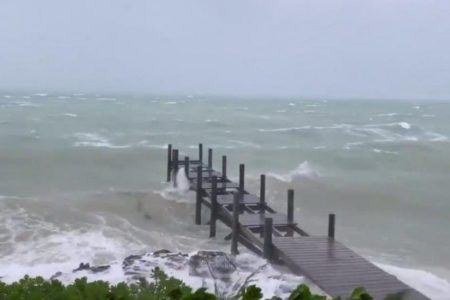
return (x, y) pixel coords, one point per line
(182, 181)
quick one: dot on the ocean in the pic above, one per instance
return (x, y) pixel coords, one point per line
(82, 177)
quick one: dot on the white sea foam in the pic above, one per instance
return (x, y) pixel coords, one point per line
(63, 97)
(95, 140)
(376, 150)
(7, 96)
(40, 94)
(286, 129)
(387, 115)
(303, 170)
(436, 137)
(70, 115)
(106, 99)
(351, 145)
(26, 104)
(246, 144)
(429, 284)
(404, 125)
(170, 103)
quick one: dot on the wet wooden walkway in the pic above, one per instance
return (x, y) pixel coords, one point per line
(333, 267)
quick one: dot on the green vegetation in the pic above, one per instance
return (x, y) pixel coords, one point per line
(162, 288)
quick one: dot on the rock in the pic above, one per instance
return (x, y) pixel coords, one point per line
(56, 275)
(129, 260)
(82, 266)
(98, 269)
(160, 252)
(211, 264)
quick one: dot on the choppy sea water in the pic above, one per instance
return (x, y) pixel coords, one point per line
(82, 177)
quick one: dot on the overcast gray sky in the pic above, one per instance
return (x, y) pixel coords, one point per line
(335, 49)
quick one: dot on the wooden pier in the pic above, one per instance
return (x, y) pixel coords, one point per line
(333, 267)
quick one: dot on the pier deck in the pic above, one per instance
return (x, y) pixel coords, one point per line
(333, 267)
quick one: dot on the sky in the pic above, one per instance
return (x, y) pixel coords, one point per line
(390, 49)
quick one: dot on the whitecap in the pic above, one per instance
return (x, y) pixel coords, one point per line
(291, 104)
(243, 143)
(404, 125)
(436, 137)
(63, 97)
(287, 129)
(303, 170)
(387, 115)
(106, 99)
(40, 94)
(70, 115)
(95, 140)
(26, 104)
(170, 103)
(7, 96)
(376, 150)
(349, 146)
(281, 111)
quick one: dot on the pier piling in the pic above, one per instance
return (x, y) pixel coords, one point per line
(198, 200)
(224, 168)
(267, 248)
(213, 219)
(186, 166)
(235, 225)
(262, 194)
(241, 178)
(169, 162)
(290, 212)
(331, 225)
(200, 153)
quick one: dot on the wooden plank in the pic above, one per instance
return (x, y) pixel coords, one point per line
(258, 219)
(220, 185)
(246, 199)
(335, 268)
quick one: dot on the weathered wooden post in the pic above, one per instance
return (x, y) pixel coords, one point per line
(235, 225)
(174, 166)
(290, 212)
(224, 168)
(213, 219)
(198, 201)
(210, 158)
(200, 153)
(186, 166)
(262, 194)
(169, 162)
(267, 248)
(241, 178)
(331, 225)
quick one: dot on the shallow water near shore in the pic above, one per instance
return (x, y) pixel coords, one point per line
(82, 177)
